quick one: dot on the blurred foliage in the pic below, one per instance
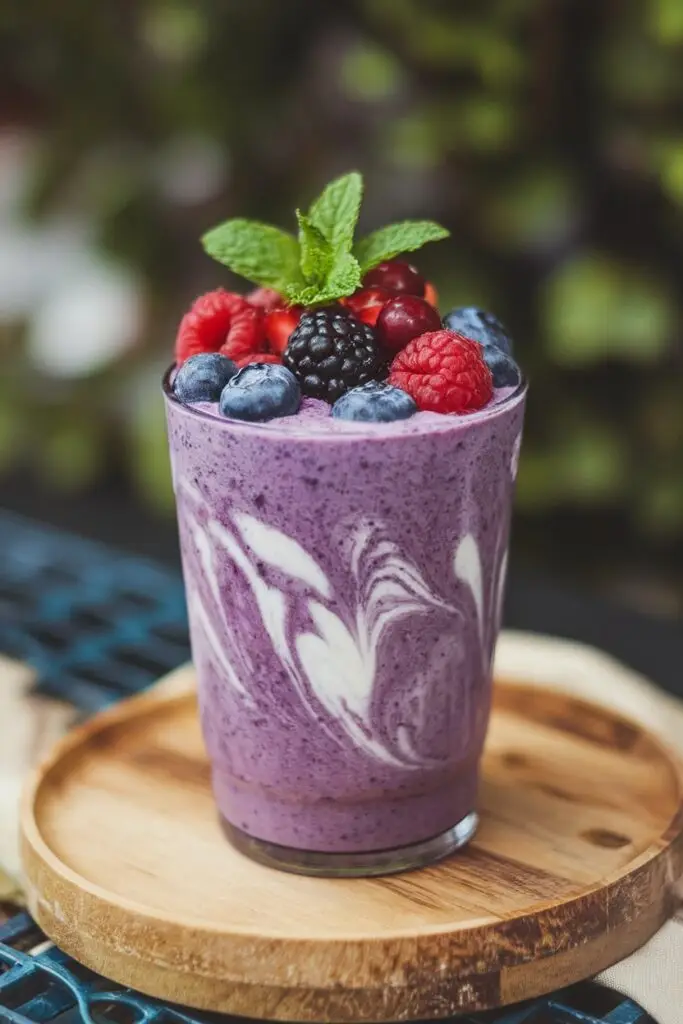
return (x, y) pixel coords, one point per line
(546, 136)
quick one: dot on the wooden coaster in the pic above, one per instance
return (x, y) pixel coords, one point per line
(128, 871)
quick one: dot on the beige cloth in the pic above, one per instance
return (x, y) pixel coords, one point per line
(652, 976)
(29, 726)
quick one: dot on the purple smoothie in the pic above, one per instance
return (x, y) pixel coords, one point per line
(344, 585)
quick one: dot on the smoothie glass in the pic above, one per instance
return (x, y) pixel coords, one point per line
(344, 587)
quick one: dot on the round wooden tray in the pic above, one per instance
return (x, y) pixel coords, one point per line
(128, 871)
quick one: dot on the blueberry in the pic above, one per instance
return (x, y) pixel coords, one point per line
(374, 402)
(261, 391)
(202, 378)
(480, 326)
(503, 367)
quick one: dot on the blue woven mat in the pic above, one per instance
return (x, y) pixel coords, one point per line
(97, 625)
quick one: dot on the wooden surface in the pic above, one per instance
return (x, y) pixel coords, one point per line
(572, 868)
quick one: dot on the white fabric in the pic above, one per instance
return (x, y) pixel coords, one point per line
(29, 726)
(653, 975)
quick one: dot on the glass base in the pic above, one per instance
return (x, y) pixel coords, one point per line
(354, 865)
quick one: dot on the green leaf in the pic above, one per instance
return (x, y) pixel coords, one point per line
(259, 252)
(301, 295)
(335, 212)
(317, 255)
(343, 279)
(394, 239)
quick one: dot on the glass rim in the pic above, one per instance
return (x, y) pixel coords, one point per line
(265, 429)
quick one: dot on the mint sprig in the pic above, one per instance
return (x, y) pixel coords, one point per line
(259, 252)
(335, 211)
(385, 243)
(323, 264)
(316, 253)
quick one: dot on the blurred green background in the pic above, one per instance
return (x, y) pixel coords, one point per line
(547, 136)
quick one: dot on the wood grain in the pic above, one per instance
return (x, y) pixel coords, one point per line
(572, 869)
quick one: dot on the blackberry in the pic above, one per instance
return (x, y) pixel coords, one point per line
(330, 352)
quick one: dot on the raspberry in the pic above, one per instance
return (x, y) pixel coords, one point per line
(246, 335)
(265, 298)
(257, 357)
(444, 372)
(205, 327)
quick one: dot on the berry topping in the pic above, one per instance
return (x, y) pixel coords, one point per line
(367, 304)
(325, 261)
(316, 269)
(478, 324)
(245, 335)
(403, 319)
(260, 391)
(444, 372)
(257, 357)
(330, 353)
(265, 298)
(396, 276)
(431, 295)
(279, 324)
(205, 326)
(374, 402)
(202, 378)
(504, 369)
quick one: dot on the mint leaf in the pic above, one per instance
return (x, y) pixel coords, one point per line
(302, 295)
(343, 279)
(335, 211)
(259, 252)
(317, 255)
(320, 266)
(394, 239)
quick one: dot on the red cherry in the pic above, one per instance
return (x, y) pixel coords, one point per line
(396, 276)
(368, 303)
(403, 319)
(279, 324)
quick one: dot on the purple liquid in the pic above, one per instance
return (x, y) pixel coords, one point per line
(344, 586)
